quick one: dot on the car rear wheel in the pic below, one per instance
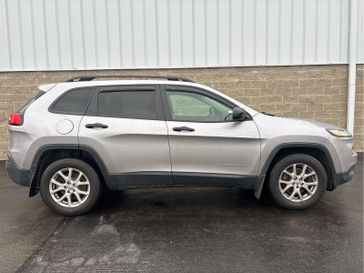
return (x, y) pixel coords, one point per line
(70, 187)
(297, 181)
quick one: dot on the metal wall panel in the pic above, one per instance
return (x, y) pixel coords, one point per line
(103, 34)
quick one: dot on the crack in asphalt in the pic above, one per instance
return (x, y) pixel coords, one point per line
(35, 253)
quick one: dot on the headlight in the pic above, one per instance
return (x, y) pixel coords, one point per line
(339, 132)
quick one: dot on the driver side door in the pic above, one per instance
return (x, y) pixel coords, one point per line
(204, 140)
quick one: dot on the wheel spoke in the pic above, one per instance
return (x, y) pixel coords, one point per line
(292, 194)
(70, 170)
(53, 181)
(82, 183)
(60, 173)
(304, 170)
(284, 182)
(307, 189)
(290, 174)
(299, 194)
(81, 192)
(287, 187)
(294, 169)
(63, 197)
(310, 183)
(56, 190)
(309, 175)
(79, 177)
(78, 197)
(69, 202)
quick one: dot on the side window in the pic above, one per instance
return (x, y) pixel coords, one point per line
(73, 102)
(188, 106)
(138, 104)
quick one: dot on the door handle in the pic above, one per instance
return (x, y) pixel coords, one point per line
(96, 125)
(183, 128)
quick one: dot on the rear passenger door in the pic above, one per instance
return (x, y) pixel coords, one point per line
(125, 125)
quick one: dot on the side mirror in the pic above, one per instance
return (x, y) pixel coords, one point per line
(239, 114)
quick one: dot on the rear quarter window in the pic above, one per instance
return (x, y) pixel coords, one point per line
(73, 102)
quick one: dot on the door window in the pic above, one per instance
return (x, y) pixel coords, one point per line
(188, 106)
(127, 104)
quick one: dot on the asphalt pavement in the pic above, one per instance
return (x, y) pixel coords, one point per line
(183, 230)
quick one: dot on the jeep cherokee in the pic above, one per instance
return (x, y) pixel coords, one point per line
(75, 138)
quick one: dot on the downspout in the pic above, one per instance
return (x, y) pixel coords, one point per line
(353, 5)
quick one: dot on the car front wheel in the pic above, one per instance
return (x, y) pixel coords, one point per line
(70, 187)
(297, 181)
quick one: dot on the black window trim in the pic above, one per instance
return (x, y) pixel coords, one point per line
(196, 90)
(93, 111)
(51, 109)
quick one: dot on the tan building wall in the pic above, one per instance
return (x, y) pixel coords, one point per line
(314, 92)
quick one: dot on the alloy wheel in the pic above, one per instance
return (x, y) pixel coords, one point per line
(69, 187)
(298, 182)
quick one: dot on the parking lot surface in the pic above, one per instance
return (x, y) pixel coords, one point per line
(183, 230)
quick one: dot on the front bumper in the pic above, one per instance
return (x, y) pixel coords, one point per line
(21, 177)
(341, 178)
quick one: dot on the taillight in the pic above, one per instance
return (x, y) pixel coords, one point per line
(15, 119)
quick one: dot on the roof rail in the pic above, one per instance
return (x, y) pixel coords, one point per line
(90, 78)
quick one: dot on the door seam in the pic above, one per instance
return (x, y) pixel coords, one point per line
(166, 124)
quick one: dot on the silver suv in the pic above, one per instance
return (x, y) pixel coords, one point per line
(76, 138)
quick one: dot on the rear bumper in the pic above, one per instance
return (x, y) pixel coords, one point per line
(21, 177)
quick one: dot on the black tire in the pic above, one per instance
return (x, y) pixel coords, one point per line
(298, 159)
(94, 187)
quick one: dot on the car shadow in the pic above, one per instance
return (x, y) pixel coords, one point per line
(179, 199)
